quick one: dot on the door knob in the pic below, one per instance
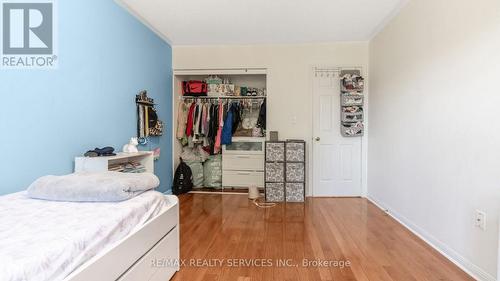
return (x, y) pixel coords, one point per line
(317, 138)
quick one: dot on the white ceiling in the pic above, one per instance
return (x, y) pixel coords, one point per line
(204, 22)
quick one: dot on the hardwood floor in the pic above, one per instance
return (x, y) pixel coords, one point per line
(217, 230)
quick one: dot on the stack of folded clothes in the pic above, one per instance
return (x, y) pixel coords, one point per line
(106, 151)
(129, 167)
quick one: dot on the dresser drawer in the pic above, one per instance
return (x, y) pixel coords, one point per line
(244, 145)
(243, 162)
(242, 178)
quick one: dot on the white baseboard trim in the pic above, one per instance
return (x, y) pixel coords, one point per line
(470, 268)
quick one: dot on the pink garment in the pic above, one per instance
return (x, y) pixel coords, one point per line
(204, 122)
(219, 131)
(182, 119)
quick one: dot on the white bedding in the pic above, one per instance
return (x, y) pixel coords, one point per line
(47, 240)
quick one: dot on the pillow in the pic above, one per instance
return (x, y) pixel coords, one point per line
(92, 187)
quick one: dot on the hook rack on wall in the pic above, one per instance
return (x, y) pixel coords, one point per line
(148, 123)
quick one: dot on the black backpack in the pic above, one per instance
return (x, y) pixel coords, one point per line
(183, 179)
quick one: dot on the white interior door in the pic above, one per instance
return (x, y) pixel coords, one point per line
(337, 159)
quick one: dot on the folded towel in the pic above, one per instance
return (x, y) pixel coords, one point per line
(92, 187)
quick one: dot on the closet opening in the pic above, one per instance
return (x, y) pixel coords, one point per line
(219, 127)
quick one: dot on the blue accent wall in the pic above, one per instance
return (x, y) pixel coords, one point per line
(106, 56)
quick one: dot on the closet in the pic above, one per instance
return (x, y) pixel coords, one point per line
(238, 164)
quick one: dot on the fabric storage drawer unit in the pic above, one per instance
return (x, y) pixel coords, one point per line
(295, 172)
(275, 192)
(275, 172)
(294, 192)
(295, 151)
(243, 163)
(275, 151)
(285, 171)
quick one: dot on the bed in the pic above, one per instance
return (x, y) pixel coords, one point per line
(46, 240)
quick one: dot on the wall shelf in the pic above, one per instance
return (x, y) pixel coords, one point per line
(101, 164)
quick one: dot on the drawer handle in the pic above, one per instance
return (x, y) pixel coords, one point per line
(243, 157)
(244, 174)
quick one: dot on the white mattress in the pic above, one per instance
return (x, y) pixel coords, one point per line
(45, 240)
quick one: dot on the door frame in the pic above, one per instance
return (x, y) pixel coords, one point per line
(364, 138)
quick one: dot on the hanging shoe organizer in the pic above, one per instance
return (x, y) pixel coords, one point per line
(351, 101)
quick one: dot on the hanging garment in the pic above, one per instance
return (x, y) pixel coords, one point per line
(214, 127)
(204, 120)
(203, 124)
(200, 121)
(236, 112)
(261, 122)
(219, 129)
(210, 120)
(182, 112)
(227, 130)
(189, 123)
(196, 123)
(140, 111)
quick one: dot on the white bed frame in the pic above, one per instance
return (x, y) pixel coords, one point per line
(133, 258)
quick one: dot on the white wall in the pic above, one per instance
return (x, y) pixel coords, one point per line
(434, 150)
(289, 80)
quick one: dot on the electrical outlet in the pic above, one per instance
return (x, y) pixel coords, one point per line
(480, 220)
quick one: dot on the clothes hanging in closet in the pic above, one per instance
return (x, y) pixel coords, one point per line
(210, 124)
(227, 130)
(219, 129)
(236, 112)
(261, 122)
(181, 120)
(189, 125)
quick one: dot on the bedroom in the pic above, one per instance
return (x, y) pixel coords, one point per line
(412, 196)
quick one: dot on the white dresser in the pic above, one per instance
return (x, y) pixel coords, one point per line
(243, 163)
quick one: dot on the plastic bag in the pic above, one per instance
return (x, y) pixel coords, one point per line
(196, 154)
(212, 171)
(197, 171)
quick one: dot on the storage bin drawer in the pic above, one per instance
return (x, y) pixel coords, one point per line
(352, 129)
(349, 100)
(166, 249)
(275, 172)
(275, 192)
(294, 192)
(296, 151)
(275, 151)
(243, 162)
(242, 145)
(295, 172)
(352, 117)
(242, 178)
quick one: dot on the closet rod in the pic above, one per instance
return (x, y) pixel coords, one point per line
(214, 98)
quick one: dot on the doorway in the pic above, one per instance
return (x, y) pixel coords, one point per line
(337, 160)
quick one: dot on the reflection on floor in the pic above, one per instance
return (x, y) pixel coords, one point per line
(226, 237)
